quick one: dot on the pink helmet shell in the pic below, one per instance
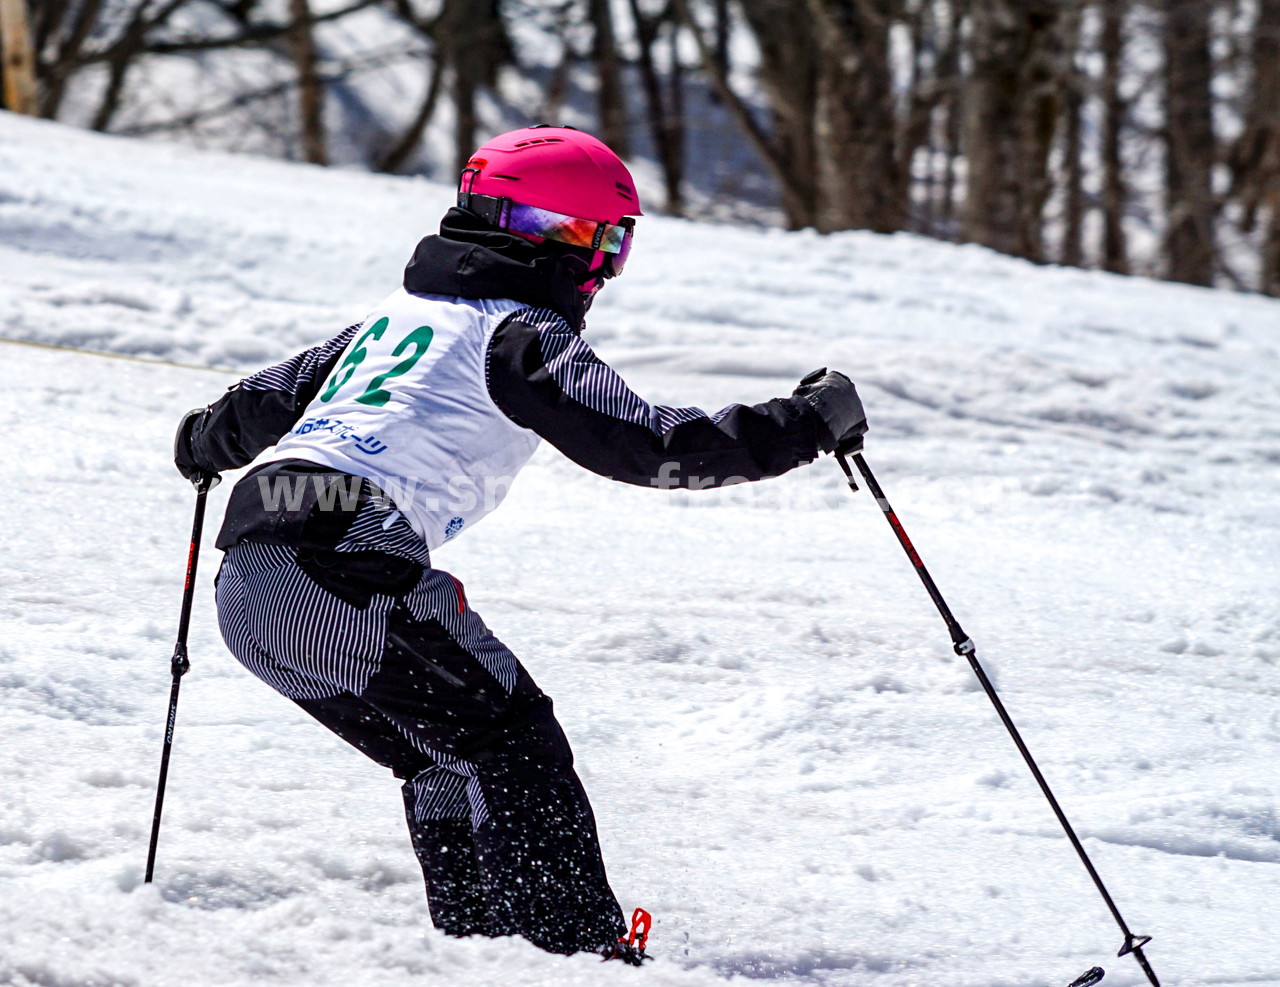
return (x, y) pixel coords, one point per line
(557, 168)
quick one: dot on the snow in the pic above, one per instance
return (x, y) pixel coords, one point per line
(789, 766)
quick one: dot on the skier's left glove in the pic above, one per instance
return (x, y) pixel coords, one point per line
(184, 458)
(835, 399)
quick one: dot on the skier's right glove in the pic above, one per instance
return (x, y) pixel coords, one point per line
(833, 396)
(184, 458)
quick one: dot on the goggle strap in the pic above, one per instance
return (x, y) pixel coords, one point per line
(490, 208)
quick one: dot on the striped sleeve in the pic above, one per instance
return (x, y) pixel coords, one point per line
(545, 377)
(302, 374)
(257, 411)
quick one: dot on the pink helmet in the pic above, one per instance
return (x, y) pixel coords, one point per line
(556, 183)
(556, 168)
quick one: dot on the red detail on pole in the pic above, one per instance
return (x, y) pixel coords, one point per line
(191, 567)
(902, 537)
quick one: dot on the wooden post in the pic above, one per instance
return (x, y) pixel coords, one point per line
(18, 58)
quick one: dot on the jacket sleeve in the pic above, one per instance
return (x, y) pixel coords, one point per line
(256, 412)
(545, 378)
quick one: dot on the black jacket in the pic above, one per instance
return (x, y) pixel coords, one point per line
(540, 373)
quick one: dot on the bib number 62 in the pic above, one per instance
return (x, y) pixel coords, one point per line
(374, 393)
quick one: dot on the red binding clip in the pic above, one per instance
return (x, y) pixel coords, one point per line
(641, 921)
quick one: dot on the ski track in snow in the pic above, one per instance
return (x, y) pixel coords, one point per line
(789, 766)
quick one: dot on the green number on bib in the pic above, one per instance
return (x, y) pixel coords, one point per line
(355, 356)
(419, 340)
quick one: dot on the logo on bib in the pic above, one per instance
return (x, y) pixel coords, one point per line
(453, 527)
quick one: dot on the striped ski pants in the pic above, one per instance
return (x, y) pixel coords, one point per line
(388, 655)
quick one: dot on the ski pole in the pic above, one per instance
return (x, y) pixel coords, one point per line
(178, 666)
(965, 648)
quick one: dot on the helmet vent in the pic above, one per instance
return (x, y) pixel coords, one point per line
(624, 191)
(510, 178)
(539, 140)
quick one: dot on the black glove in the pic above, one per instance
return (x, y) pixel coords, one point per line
(185, 459)
(835, 399)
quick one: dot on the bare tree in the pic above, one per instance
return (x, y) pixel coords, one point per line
(1189, 249)
(664, 102)
(394, 158)
(1255, 158)
(74, 35)
(950, 83)
(1115, 253)
(921, 102)
(63, 29)
(788, 77)
(860, 182)
(1073, 87)
(935, 115)
(310, 89)
(612, 107)
(146, 16)
(832, 134)
(1013, 103)
(473, 38)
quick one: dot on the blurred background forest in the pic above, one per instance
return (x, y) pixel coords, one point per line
(1137, 136)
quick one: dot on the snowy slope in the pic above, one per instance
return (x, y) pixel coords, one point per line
(789, 766)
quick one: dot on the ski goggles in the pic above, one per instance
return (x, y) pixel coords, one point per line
(612, 239)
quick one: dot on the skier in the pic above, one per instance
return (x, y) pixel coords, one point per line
(406, 429)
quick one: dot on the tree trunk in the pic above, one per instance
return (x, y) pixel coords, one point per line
(951, 79)
(1073, 192)
(859, 185)
(302, 47)
(472, 37)
(794, 184)
(19, 62)
(612, 105)
(723, 26)
(119, 57)
(63, 64)
(399, 152)
(1115, 253)
(789, 79)
(923, 94)
(466, 83)
(553, 94)
(46, 17)
(1255, 158)
(1189, 144)
(673, 159)
(1012, 109)
(665, 111)
(1266, 94)
(1269, 278)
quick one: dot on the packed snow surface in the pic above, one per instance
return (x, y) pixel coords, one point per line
(790, 767)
